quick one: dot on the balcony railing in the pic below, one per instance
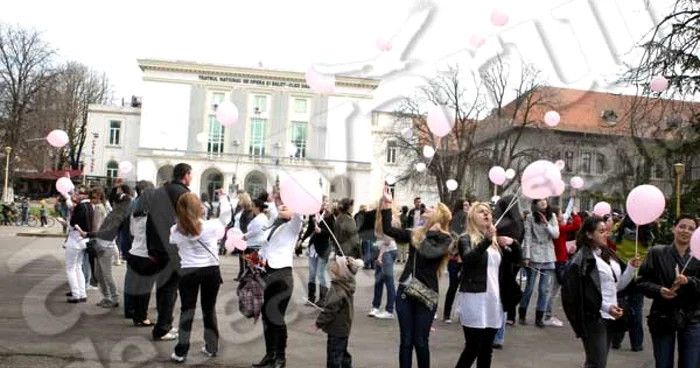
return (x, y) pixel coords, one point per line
(242, 158)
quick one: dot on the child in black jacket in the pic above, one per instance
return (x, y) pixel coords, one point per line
(336, 318)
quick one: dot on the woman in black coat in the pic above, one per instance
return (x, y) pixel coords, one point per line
(512, 226)
(487, 289)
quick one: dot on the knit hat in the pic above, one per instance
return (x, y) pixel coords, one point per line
(348, 266)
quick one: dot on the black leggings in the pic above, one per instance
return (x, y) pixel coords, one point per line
(279, 284)
(477, 346)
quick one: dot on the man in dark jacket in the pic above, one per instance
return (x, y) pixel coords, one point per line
(367, 237)
(415, 213)
(161, 217)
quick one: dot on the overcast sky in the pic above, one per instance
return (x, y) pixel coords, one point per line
(579, 43)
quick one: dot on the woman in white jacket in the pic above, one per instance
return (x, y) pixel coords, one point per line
(255, 236)
(197, 245)
(541, 228)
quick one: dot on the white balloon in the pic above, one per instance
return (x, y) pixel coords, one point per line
(560, 164)
(202, 137)
(451, 185)
(428, 152)
(291, 149)
(390, 180)
(510, 174)
(420, 167)
(125, 167)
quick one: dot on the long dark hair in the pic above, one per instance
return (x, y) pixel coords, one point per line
(534, 209)
(512, 224)
(590, 225)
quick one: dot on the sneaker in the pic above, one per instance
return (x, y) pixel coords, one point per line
(373, 312)
(448, 321)
(110, 304)
(171, 335)
(384, 315)
(90, 287)
(554, 322)
(207, 353)
(176, 358)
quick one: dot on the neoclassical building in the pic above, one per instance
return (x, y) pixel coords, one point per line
(283, 127)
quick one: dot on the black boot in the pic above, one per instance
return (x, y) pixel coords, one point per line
(522, 312)
(267, 361)
(539, 319)
(280, 362)
(312, 293)
(322, 294)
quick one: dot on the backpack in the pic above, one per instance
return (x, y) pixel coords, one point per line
(250, 294)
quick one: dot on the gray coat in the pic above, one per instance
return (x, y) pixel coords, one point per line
(538, 245)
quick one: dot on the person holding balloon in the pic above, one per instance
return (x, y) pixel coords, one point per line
(670, 275)
(541, 228)
(589, 294)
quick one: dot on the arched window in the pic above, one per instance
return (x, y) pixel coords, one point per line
(112, 169)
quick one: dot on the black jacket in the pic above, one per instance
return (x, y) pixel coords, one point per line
(428, 257)
(322, 240)
(161, 217)
(658, 271)
(82, 216)
(580, 294)
(411, 213)
(245, 219)
(336, 318)
(366, 227)
(475, 270)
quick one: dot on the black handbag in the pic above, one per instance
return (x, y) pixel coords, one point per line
(91, 248)
(418, 291)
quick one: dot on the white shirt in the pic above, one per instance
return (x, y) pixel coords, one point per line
(137, 227)
(416, 217)
(272, 213)
(255, 237)
(484, 310)
(192, 248)
(609, 284)
(279, 250)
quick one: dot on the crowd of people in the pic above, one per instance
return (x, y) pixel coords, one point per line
(494, 255)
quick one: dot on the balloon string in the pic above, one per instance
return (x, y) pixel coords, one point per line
(510, 205)
(686, 264)
(323, 221)
(636, 241)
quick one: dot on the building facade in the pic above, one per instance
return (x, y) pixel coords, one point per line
(284, 127)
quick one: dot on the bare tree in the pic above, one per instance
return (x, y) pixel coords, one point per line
(518, 104)
(26, 68)
(452, 152)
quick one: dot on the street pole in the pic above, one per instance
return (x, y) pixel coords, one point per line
(680, 169)
(8, 150)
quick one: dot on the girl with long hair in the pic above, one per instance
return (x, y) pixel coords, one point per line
(485, 285)
(197, 245)
(589, 294)
(427, 257)
(541, 228)
(384, 268)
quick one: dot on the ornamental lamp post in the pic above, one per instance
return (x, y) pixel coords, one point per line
(680, 169)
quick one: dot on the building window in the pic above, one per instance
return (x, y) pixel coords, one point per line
(586, 203)
(216, 99)
(215, 142)
(115, 129)
(586, 163)
(568, 161)
(259, 104)
(300, 137)
(391, 149)
(659, 171)
(556, 156)
(112, 169)
(257, 137)
(301, 106)
(600, 163)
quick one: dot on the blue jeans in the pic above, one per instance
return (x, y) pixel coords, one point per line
(384, 275)
(415, 320)
(688, 348)
(542, 290)
(318, 267)
(636, 303)
(501, 333)
(367, 253)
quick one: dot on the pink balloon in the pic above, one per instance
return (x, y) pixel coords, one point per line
(602, 208)
(645, 204)
(476, 41)
(301, 193)
(540, 180)
(576, 182)
(384, 44)
(695, 244)
(64, 185)
(499, 18)
(497, 175)
(227, 113)
(57, 138)
(438, 121)
(234, 240)
(559, 188)
(125, 167)
(552, 118)
(659, 84)
(560, 164)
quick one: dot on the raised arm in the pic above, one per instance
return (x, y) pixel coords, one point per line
(553, 227)
(398, 234)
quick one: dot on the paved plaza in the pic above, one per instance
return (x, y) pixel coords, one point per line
(39, 329)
